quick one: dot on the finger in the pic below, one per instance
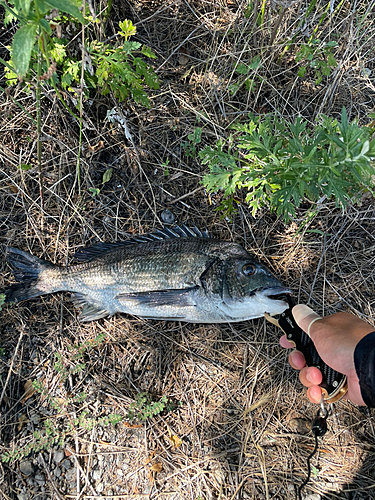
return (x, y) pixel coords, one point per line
(305, 317)
(297, 360)
(314, 394)
(284, 342)
(310, 376)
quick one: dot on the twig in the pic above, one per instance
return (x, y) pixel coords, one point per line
(11, 366)
(50, 478)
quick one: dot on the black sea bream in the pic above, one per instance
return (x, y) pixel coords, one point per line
(172, 274)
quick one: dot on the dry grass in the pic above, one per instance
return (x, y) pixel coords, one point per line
(242, 415)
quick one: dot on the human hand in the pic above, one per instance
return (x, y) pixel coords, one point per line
(335, 338)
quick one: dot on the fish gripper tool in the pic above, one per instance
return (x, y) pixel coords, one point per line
(334, 384)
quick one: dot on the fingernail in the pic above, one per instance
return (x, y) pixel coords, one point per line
(308, 377)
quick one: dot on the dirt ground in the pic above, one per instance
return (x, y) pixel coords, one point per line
(236, 421)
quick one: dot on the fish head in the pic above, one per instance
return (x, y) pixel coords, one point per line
(249, 289)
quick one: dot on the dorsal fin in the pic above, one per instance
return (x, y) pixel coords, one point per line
(98, 249)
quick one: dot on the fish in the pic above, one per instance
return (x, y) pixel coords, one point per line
(178, 273)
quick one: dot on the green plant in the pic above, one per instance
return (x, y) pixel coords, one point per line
(249, 72)
(118, 69)
(318, 56)
(43, 440)
(193, 140)
(282, 164)
(144, 407)
(75, 363)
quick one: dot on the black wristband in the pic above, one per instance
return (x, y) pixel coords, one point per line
(364, 361)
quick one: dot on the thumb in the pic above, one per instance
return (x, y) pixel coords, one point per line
(305, 317)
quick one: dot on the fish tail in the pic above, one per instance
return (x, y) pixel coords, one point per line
(32, 274)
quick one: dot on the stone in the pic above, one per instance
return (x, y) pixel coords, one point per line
(23, 496)
(67, 464)
(100, 488)
(96, 474)
(40, 478)
(58, 456)
(57, 472)
(26, 467)
(70, 474)
(167, 216)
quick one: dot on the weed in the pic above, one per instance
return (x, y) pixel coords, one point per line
(194, 139)
(144, 407)
(43, 440)
(249, 76)
(118, 69)
(318, 56)
(281, 164)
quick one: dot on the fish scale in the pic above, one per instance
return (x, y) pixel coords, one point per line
(177, 273)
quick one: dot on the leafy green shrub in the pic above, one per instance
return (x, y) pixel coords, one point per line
(120, 69)
(117, 69)
(282, 164)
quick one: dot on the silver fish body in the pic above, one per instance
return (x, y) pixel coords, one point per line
(173, 274)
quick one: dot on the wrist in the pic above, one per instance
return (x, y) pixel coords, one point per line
(364, 362)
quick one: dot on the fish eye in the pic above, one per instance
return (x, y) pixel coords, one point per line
(249, 269)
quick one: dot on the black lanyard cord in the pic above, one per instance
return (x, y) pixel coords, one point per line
(308, 467)
(319, 428)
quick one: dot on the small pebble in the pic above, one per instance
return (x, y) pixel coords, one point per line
(23, 496)
(67, 464)
(35, 418)
(69, 474)
(59, 456)
(57, 472)
(167, 216)
(96, 474)
(40, 478)
(100, 488)
(26, 468)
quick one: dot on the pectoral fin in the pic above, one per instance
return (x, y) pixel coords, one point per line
(158, 298)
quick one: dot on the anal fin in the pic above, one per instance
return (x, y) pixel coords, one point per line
(90, 312)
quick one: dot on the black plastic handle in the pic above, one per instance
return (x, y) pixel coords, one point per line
(334, 384)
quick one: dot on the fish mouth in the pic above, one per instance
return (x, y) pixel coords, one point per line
(277, 293)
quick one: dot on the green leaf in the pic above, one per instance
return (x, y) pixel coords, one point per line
(146, 51)
(25, 166)
(129, 47)
(45, 25)
(195, 137)
(94, 191)
(365, 147)
(23, 6)
(151, 79)
(250, 84)
(23, 43)
(302, 71)
(107, 175)
(127, 29)
(331, 61)
(255, 63)
(67, 6)
(242, 69)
